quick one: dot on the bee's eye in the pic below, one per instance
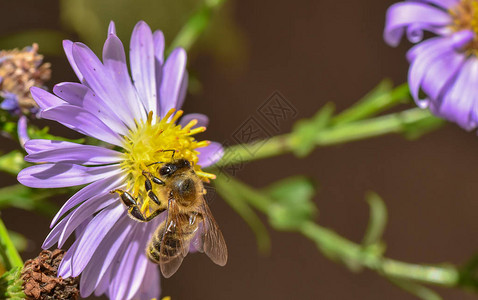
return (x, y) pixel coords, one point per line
(186, 163)
(165, 170)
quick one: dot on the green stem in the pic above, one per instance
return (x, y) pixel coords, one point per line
(350, 251)
(441, 275)
(339, 248)
(347, 132)
(10, 255)
(195, 25)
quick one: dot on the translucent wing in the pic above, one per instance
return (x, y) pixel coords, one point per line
(210, 239)
(173, 246)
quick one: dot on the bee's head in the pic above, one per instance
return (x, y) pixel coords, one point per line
(170, 168)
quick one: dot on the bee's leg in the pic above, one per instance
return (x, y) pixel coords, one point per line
(133, 209)
(149, 187)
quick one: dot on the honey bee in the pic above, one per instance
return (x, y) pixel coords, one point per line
(189, 220)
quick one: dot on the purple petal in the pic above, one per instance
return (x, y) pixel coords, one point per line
(440, 72)
(63, 175)
(173, 73)
(67, 46)
(54, 234)
(114, 60)
(83, 212)
(421, 15)
(460, 101)
(111, 28)
(435, 47)
(143, 66)
(150, 288)
(83, 121)
(433, 53)
(71, 92)
(93, 189)
(203, 120)
(210, 154)
(44, 99)
(105, 282)
(446, 4)
(96, 231)
(77, 154)
(81, 228)
(158, 42)
(416, 31)
(22, 130)
(80, 95)
(183, 90)
(99, 80)
(101, 261)
(40, 145)
(64, 269)
(132, 268)
(455, 42)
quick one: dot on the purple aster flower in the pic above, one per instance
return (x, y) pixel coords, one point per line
(444, 67)
(139, 119)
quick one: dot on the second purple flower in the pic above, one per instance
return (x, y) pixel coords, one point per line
(445, 67)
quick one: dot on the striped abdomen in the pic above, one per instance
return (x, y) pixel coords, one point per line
(172, 243)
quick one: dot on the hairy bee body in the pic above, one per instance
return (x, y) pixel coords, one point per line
(189, 220)
(177, 189)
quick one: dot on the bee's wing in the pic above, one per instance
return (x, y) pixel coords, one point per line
(211, 240)
(173, 246)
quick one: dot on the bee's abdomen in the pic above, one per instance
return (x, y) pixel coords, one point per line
(173, 242)
(154, 246)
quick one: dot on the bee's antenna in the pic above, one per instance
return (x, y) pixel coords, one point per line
(160, 162)
(155, 163)
(169, 150)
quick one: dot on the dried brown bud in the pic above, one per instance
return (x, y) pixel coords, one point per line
(19, 71)
(40, 279)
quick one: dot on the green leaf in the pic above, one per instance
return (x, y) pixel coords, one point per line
(305, 131)
(377, 221)
(292, 204)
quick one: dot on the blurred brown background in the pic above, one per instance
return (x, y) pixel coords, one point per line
(312, 52)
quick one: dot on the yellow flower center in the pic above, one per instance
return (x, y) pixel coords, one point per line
(153, 142)
(465, 17)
